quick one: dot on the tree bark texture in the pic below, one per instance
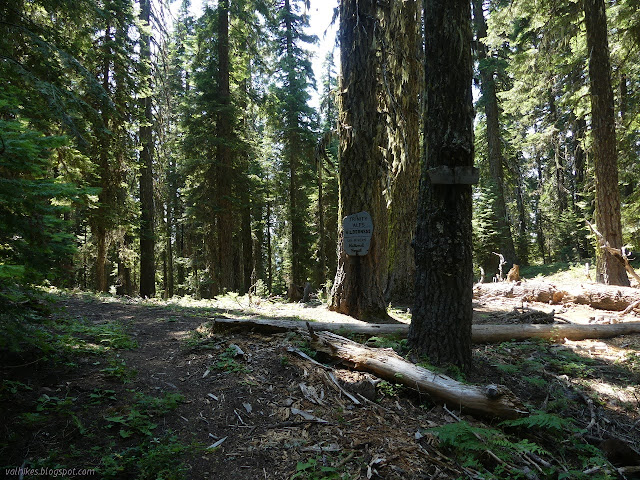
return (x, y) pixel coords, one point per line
(608, 270)
(357, 291)
(402, 80)
(147, 217)
(441, 323)
(494, 144)
(225, 174)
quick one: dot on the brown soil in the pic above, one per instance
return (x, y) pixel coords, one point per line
(251, 401)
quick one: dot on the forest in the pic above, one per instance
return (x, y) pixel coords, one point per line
(175, 171)
(157, 156)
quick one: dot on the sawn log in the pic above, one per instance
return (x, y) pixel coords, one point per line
(604, 297)
(487, 401)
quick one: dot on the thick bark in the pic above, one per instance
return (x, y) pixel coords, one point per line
(488, 401)
(322, 256)
(147, 220)
(441, 324)
(485, 333)
(103, 221)
(602, 297)
(494, 142)
(608, 270)
(293, 147)
(224, 177)
(247, 248)
(401, 83)
(357, 291)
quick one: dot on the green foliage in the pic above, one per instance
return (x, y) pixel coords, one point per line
(155, 458)
(470, 444)
(227, 362)
(35, 241)
(314, 469)
(117, 368)
(543, 421)
(388, 389)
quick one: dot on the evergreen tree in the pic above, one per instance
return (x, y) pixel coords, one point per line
(294, 122)
(400, 81)
(357, 289)
(441, 321)
(610, 270)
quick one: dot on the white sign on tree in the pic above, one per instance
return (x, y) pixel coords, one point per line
(356, 231)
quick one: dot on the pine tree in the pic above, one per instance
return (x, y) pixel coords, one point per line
(147, 207)
(609, 269)
(441, 321)
(400, 80)
(294, 123)
(357, 290)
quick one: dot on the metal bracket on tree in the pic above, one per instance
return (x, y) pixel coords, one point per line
(443, 175)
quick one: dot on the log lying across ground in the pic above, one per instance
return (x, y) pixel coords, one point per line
(604, 297)
(492, 400)
(480, 333)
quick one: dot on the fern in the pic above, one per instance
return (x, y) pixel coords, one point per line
(543, 420)
(471, 443)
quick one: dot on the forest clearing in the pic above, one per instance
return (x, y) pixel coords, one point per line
(152, 389)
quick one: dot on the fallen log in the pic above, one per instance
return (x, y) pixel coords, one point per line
(603, 297)
(480, 333)
(265, 325)
(487, 401)
(557, 331)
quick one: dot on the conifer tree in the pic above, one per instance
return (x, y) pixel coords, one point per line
(441, 321)
(294, 121)
(357, 289)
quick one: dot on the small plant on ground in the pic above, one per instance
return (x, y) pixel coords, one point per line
(314, 469)
(227, 362)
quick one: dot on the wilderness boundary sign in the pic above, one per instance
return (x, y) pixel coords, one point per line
(357, 230)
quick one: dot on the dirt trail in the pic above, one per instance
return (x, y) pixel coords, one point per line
(274, 415)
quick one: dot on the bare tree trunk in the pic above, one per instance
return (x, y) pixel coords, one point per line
(224, 178)
(402, 78)
(442, 314)
(494, 142)
(608, 269)
(356, 289)
(147, 214)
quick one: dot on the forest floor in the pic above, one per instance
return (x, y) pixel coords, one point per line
(146, 389)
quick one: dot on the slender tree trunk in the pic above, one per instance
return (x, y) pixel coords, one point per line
(356, 290)
(147, 220)
(322, 257)
(225, 226)
(608, 269)
(402, 77)
(269, 253)
(441, 322)
(104, 216)
(494, 142)
(523, 235)
(296, 215)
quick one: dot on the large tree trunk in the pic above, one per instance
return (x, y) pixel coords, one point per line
(224, 125)
(402, 77)
(609, 269)
(441, 324)
(147, 235)
(357, 291)
(494, 145)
